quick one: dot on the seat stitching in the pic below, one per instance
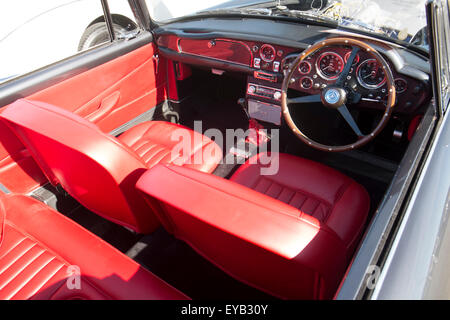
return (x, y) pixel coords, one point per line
(339, 196)
(294, 193)
(314, 210)
(281, 191)
(308, 195)
(256, 182)
(141, 151)
(138, 144)
(13, 247)
(305, 197)
(153, 155)
(29, 262)
(164, 155)
(270, 184)
(17, 258)
(31, 278)
(49, 278)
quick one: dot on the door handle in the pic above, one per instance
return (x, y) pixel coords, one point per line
(106, 106)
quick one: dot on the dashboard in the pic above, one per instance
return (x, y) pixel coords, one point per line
(266, 61)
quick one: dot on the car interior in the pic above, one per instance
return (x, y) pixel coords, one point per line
(89, 178)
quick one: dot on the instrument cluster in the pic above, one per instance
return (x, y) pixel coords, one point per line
(325, 66)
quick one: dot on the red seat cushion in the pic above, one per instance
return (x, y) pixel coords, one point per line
(155, 142)
(40, 246)
(322, 192)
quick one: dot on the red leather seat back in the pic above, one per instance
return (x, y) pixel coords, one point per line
(259, 240)
(93, 167)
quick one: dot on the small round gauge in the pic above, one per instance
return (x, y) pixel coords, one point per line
(355, 61)
(267, 52)
(329, 65)
(304, 67)
(370, 74)
(400, 85)
(306, 83)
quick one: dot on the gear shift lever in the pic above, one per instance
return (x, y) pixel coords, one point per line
(243, 103)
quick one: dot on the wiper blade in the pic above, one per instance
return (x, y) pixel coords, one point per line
(275, 12)
(250, 11)
(305, 15)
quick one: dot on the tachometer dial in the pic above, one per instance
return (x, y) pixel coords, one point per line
(329, 65)
(370, 74)
(267, 52)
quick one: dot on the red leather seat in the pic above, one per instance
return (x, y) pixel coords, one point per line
(40, 249)
(315, 189)
(290, 234)
(99, 170)
(154, 142)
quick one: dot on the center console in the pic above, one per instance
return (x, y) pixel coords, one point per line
(263, 97)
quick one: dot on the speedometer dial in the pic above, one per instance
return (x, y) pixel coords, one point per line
(329, 65)
(267, 52)
(370, 74)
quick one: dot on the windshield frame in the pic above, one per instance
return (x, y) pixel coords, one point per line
(333, 24)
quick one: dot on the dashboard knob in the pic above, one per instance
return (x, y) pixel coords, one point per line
(277, 95)
(251, 89)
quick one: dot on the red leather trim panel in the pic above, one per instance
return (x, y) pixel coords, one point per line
(253, 237)
(40, 246)
(109, 95)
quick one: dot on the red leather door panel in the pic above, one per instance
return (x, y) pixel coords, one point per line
(109, 95)
(132, 75)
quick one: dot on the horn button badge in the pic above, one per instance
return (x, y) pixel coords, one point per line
(333, 97)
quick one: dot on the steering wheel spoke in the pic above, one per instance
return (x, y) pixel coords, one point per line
(343, 110)
(305, 99)
(340, 81)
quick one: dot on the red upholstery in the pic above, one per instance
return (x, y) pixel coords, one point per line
(257, 239)
(95, 168)
(40, 246)
(132, 78)
(154, 142)
(317, 190)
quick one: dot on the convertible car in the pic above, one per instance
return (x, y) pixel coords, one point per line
(252, 150)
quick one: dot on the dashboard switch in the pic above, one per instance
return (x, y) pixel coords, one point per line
(257, 63)
(276, 66)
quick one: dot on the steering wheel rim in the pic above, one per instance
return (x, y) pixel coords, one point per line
(362, 139)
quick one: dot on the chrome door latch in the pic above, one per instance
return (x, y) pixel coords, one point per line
(156, 60)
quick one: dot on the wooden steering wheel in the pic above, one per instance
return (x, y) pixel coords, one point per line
(334, 96)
